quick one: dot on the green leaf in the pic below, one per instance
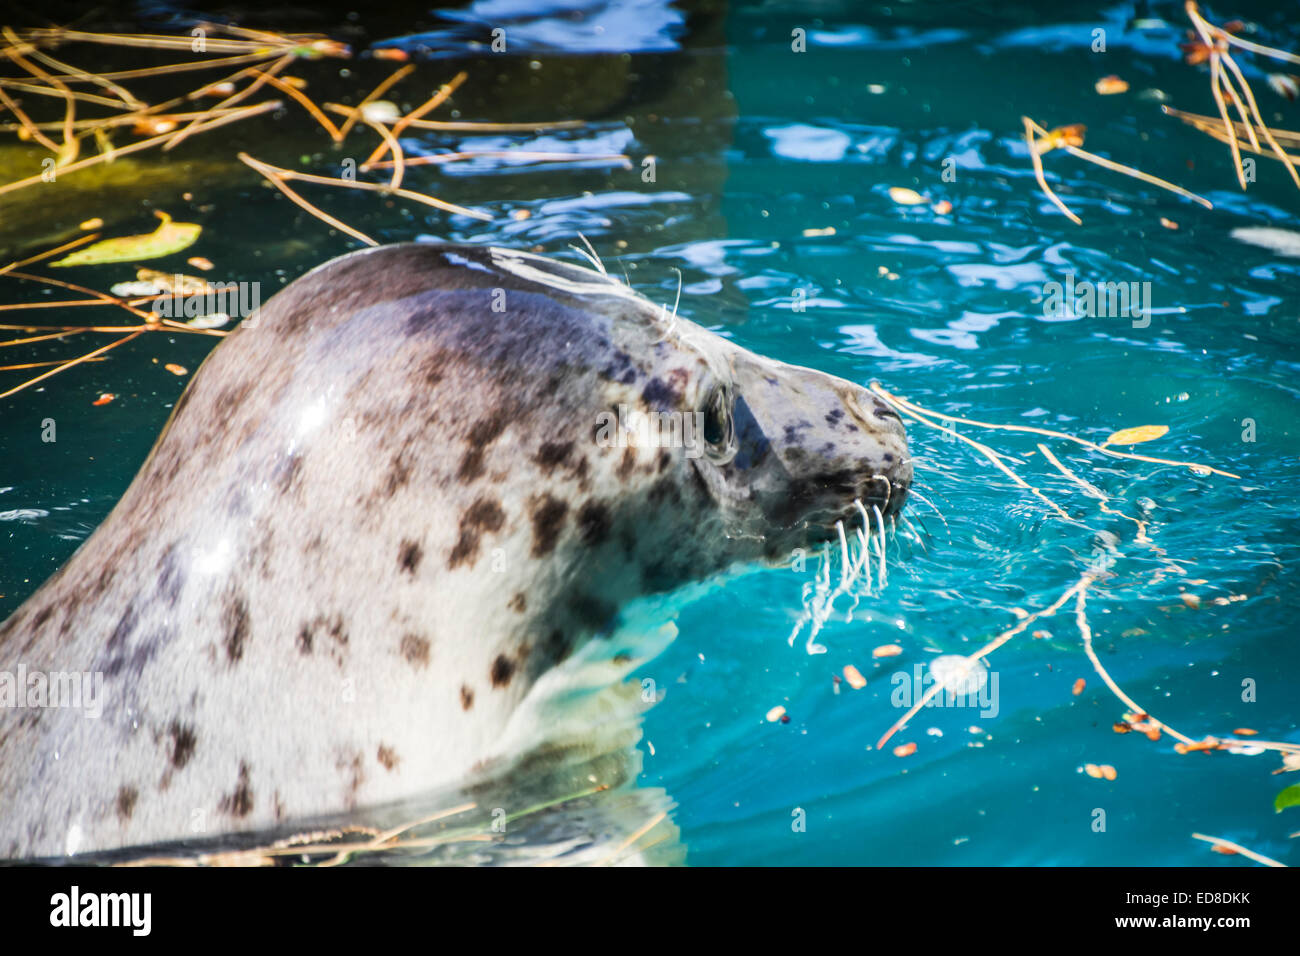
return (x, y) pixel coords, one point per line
(169, 237)
(1290, 797)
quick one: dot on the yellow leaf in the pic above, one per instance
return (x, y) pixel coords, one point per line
(1131, 436)
(169, 237)
(905, 197)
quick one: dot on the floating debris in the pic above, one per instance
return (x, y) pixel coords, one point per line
(959, 675)
(1284, 84)
(1134, 436)
(1110, 85)
(854, 677)
(905, 197)
(169, 237)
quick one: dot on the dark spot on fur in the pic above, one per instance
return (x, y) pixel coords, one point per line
(289, 473)
(484, 515)
(355, 771)
(548, 515)
(433, 367)
(234, 618)
(409, 556)
(556, 647)
(305, 639)
(502, 670)
(387, 757)
(593, 522)
(399, 475)
(483, 433)
(106, 575)
(126, 798)
(170, 579)
(661, 395)
(551, 454)
(519, 602)
(125, 625)
(466, 697)
(416, 650)
(42, 616)
(239, 803)
(183, 743)
(665, 490)
(627, 464)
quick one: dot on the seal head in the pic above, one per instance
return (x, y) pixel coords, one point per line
(416, 485)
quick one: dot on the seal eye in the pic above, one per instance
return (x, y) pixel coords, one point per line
(718, 430)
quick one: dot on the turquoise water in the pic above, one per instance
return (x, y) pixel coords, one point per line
(753, 145)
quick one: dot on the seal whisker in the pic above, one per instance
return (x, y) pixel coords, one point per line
(880, 544)
(590, 254)
(932, 505)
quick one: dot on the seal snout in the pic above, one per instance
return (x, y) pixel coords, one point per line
(815, 450)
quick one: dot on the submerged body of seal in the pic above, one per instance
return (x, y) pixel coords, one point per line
(383, 510)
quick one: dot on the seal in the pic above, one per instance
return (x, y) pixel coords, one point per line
(406, 492)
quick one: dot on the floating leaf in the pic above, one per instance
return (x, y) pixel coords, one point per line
(905, 750)
(905, 197)
(1290, 797)
(1071, 135)
(1132, 436)
(1284, 84)
(854, 677)
(169, 237)
(176, 369)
